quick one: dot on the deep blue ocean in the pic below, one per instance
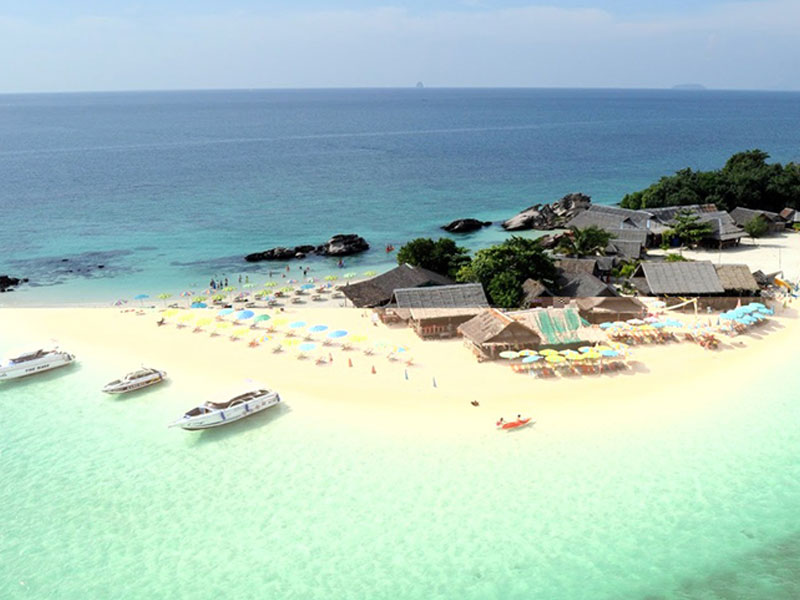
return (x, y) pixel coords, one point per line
(166, 189)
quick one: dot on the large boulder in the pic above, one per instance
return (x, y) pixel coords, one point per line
(549, 216)
(8, 283)
(278, 253)
(465, 225)
(343, 244)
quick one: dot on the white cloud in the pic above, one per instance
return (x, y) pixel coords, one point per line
(747, 44)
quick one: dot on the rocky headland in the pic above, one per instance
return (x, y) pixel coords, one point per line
(343, 244)
(549, 216)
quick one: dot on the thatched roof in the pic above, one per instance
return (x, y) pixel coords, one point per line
(378, 290)
(736, 278)
(742, 216)
(582, 285)
(608, 218)
(629, 235)
(493, 327)
(677, 278)
(442, 301)
(576, 265)
(535, 289)
(625, 248)
(723, 227)
(616, 304)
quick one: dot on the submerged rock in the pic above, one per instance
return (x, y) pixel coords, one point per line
(338, 245)
(549, 216)
(465, 225)
(7, 283)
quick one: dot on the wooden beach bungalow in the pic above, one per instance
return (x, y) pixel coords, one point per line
(492, 332)
(775, 223)
(737, 280)
(436, 312)
(378, 291)
(617, 308)
(677, 279)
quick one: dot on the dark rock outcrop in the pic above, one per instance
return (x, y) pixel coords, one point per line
(338, 245)
(465, 225)
(549, 216)
(343, 244)
(7, 283)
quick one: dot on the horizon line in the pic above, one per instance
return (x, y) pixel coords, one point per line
(675, 88)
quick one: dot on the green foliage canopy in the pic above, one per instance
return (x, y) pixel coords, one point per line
(442, 256)
(688, 228)
(588, 241)
(502, 269)
(745, 180)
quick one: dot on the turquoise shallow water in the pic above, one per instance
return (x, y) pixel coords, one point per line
(101, 500)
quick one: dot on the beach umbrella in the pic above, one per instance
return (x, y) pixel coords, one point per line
(223, 324)
(609, 353)
(531, 359)
(249, 285)
(171, 312)
(186, 318)
(339, 333)
(260, 318)
(307, 286)
(260, 294)
(509, 354)
(555, 359)
(292, 281)
(527, 352)
(164, 297)
(635, 322)
(199, 298)
(240, 332)
(271, 284)
(318, 328)
(265, 338)
(567, 352)
(357, 339)
(186, 294)
(140, 296)
(349, 275)
(204, 321)
(199, 305)
(585, 349)
(330, 278)
(592, 355)
(602, 348)
(120, 302)
(218, 297)
(297, 325)
(286, 289)
(228, 289)
(244, 314)
(280, 321)
(306, 347)
(225, 311)
(291, 342)
(369, 273)
(548, 352)
(208, 291)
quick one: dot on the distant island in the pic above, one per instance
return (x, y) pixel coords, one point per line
(420, 84)
(689, 86)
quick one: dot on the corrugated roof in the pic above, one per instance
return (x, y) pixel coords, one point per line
(576, 265)
(582, 285)
(624, 248)
(736, 277)
(689, 278)
(742, 215)
(442, 296)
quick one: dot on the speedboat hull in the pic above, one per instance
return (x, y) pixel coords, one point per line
(48, 362)
(131, 383)
(214, 417)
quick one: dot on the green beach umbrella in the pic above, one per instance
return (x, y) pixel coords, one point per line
(331, 278)
(509, 354)
(164, 297)
(249, 285)
(349, 275)
(286, 289)
(260, 318)
(270, 284)
(229, 289)
(369, 273)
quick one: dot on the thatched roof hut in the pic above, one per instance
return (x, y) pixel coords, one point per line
(742, 216)
(677, 279)
(492, 332)
(582, 285)
(617, 308)
(378, 290)
(737, 280)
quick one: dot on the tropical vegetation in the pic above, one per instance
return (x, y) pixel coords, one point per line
(587, 241)
(442, 256)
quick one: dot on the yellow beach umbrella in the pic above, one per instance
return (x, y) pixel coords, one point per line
(171, 312)
(280, 321)
(185, 318)
(555, 358)
(358, 338)
(241, 331)
(527, 352)
(548, 352)
(592, 355)
(291, 342)
(224, 324)
(204, 321)
(602, 348)
(575, 356)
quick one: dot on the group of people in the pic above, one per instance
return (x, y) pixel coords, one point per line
(221, 283)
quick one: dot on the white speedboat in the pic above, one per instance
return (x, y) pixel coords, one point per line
(135, 380)
(212, 414)
(37, 361)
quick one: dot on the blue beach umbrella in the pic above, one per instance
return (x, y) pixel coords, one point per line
(225, 311)
(307, 286)
(606, 325)
(339, 333)
(318, 328)
(244, 314)
(199, 305)
(532, 358)
(140, 297)
(297, 325)
(609, 353)
(306, 347)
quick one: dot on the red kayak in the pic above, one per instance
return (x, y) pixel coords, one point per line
(514, 424)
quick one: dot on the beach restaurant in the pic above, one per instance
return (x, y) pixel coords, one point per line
(436, 312)
(491, 332)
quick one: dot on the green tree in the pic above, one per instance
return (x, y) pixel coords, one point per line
(502, 269)
(688, 228)
(589, 241)
(747, 179)
(442, 256)
(756, 227)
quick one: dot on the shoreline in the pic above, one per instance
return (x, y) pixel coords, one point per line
(664, 382)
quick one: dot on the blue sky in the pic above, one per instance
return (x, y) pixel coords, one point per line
(74, 45)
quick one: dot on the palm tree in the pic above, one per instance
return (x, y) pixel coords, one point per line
(588, 241)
